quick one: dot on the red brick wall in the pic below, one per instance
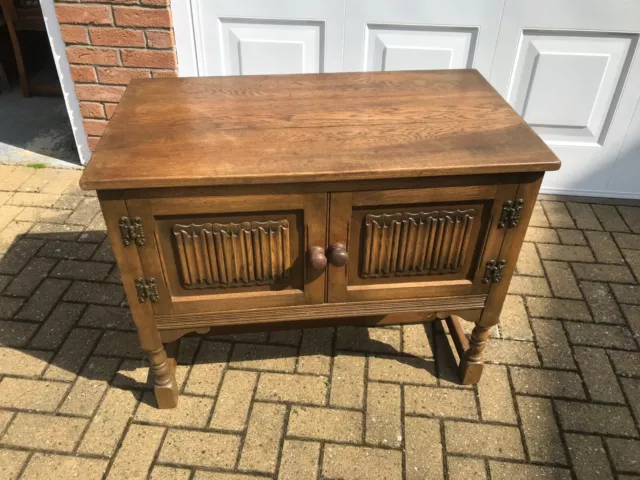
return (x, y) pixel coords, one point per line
(109, 42)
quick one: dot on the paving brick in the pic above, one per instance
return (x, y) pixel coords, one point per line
(558, 308)
(285, 337)
(595, 418)
(350, 463)
(85, 212)
(35, 395)
(207, 369)
(347, 381)
(584, 217)
(483, 440)
(120, 344)
(16, 334)
(28, 279)
(68, 201)
(17, 177)
(440, 402)
(633, 259)
(423, 449)
(11, 463)
(603, 273)
(79, 270)
(508, 471)
(536, 286)
(609, 218)
(631, 387)
(603, 305)
(626, 293)
(73, 353)
(262, 442)
(87, 391)
(12, 234)
(137, 452)
(402, 370)
(631, 216)
(100, 293)
(627, 240)
(26, 363)
(43, 300)
(9, 306)
(282, 387)
(541, 433)
(375, 340)
(512, 352)
(44, 432)
(67, 250)
(315, 351)
(625, 454)
(46, 215)
(557, 214)
(31, 199)
(4, 281)
(234, 400)
(325, 424)
(538, 217)
(598, 375)
(206, 475)
(54, 231)
(299, 460)
(604, 247)
(383, 415)
(191, 412)
(632, 312)
(467, 468)
(555, 383)
(99, 316)
(541, 235)
(563, 283)
(588, 457)
(163, 473)
(625, 363)
(553, 345)
(606, 336)
(571, 237)
(44, 465)
(494, 393)
(566, 253)
(415, 341)
(54, 331)
(529, 262)
(19, 255)
(514, 323)
(263, 357)
(108, 424)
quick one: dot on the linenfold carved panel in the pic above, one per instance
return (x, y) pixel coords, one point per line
(416, 243)
(232, 254)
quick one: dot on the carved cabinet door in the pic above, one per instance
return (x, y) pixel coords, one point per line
(413, 243)
(212, 253)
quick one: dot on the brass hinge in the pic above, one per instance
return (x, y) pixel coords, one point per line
(494, 271)
(147, 288)
(510, 216)
(131, 231)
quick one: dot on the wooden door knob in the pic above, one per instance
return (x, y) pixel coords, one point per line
(317, 258)
(338, 255)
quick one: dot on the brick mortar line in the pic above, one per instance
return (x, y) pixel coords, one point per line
(280, 447)
(516, 409)
(243, 436)
(156, 454)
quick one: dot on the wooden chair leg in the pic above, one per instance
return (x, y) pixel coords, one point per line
(17, 52)
(472, 362)
(165, 386)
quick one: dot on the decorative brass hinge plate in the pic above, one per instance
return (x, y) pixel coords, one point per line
(510, 216)
(147, 288)
(494, 271)
(131, 231)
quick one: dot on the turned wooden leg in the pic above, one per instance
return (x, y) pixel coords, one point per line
(472, 361)
(163, 369)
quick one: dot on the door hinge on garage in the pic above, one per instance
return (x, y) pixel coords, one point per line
(147, 288)
(494, 271)
(510, 216)
(131, 231)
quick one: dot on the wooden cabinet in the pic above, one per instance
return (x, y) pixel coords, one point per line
(295, 201)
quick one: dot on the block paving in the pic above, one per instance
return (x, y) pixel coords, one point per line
(560, 396)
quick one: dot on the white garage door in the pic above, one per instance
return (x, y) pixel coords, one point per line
(569, 67)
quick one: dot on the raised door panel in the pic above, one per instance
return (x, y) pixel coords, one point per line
(232, 253)
(567, 67)
(433, 242)
(385, 35)
(250, 37)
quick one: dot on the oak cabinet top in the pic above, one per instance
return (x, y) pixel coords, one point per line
(172, 132)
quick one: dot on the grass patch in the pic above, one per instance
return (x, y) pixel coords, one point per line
(37, 166)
